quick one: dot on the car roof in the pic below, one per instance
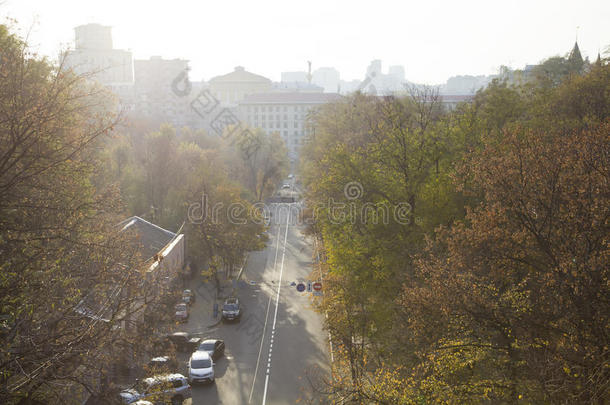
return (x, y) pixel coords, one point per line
(200, 355)
(232, 300)
(179, 334)
(164, 377)
(160, 358)
(209, 341)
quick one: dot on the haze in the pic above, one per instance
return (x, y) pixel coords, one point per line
(433, 40)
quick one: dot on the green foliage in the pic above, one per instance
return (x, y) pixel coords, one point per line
(506, 301)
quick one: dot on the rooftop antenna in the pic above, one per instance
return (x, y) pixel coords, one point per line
(309, 72)
(577, 27)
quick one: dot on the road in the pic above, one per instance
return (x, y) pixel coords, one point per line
(279, 344)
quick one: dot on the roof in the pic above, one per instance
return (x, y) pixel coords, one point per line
(240, 75)
(153, 238)
(200, 355)
(290, 98)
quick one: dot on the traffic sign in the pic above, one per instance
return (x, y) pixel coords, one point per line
(317, 286)
(300, 287)
(309, 286)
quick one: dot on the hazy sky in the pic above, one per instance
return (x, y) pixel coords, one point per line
(432, 39)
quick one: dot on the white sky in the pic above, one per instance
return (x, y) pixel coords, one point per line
(432, 39)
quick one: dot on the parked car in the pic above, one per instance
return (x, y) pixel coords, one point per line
(188, 297)
(285, 186)
(214, 347)
(183, 341)
(291, 176)
(231, 309)
(200, 367)
(160, 388)
(182, 312)
(163, 364)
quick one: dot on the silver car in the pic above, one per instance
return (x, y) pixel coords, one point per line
(201, 367)
(174, 387)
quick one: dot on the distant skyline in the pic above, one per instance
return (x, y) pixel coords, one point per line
(433, 40)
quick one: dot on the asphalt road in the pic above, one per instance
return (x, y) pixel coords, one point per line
(278, 346)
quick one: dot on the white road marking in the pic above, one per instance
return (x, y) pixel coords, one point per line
(277, 300)
(260, 350)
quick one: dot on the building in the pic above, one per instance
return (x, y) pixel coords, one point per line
(233, 87)
(158, 86)
(291, 87)
(284, 113)
(94, 56)
(328, 78)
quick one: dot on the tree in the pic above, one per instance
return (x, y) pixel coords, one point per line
(65, 270)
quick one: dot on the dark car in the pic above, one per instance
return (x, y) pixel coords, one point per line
(188, 297)
(231, 309)
(214, 347)
(183, 341)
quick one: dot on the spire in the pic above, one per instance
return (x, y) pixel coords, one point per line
(575, 61)
(598, 62)
(575, 55)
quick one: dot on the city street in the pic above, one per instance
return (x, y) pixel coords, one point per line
(278, 345)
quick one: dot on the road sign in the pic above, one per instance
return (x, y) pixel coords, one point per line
(317, 286)
(317, 293)
(309, 286)
(300, 287)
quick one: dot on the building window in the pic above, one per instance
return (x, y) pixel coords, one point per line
(285, 124)
(285, 116)
(296, 117)
(277, 109)
(285, 108)
(285, 133)
(296, 124)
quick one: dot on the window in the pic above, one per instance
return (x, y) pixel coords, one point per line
(285, 108)
(277, 109)
(296, 117)
(255, 109)
(296, 124)
(285, 133)
(285, 116)
(285, 124)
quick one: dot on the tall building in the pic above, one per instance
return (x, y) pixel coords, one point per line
(327, 77)
(284, 113)
(94, 56)
(232, 87)
(156, 81)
